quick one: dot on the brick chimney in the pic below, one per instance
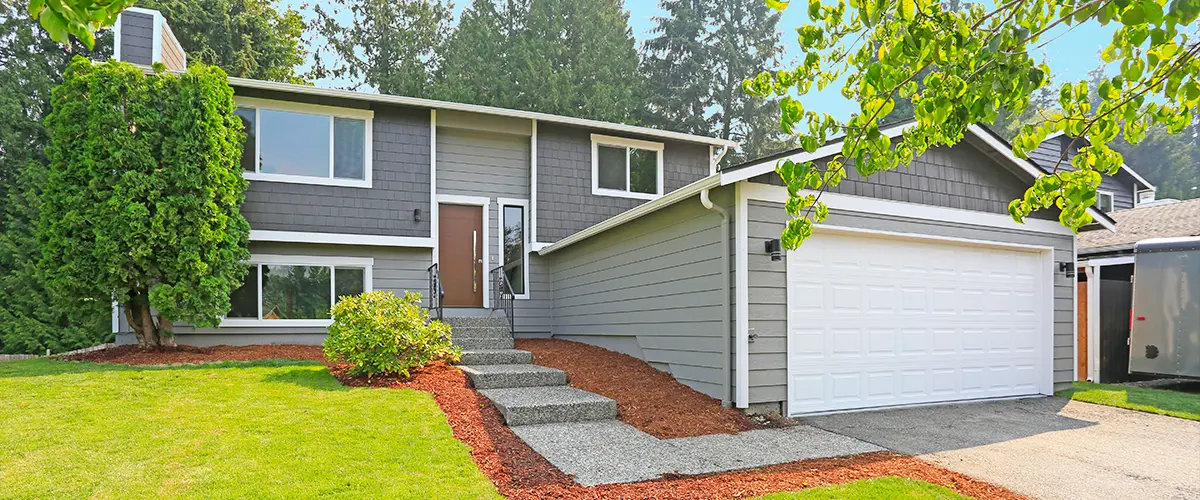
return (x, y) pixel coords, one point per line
(143, 37)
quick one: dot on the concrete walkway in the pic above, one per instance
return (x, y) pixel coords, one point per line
(1047, 448)
(610, 451)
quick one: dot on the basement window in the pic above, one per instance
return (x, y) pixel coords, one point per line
(285, 290)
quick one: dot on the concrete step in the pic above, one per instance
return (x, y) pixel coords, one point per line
(496, 357)
(477, 321)
(545, 405)
(508, 376)
(480, 332)
(475, 344)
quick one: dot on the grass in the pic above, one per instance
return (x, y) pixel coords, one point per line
(1162, 402)
(883, 488)
(270, 429)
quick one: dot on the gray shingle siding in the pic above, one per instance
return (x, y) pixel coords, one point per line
(566, 204)
(960, 177)
(400, 184)
(1049, 152)
(652, 289)
(768, 292)
(137, 38)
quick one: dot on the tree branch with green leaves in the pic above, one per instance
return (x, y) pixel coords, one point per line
(63, 19)
(960, 67)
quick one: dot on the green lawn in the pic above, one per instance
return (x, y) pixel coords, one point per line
(272, 429)
(1173, 403)
(883, 488)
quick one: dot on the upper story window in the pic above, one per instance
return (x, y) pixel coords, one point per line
(626, 168)
(305, 143)
(1104, 201)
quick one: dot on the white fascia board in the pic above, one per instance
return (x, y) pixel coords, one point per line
(851, 203)
(829, 149)
(1107, 261)
(660, 203)
(340, 239)
(474, 108)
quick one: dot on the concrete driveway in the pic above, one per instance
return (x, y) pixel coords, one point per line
(1042, 447)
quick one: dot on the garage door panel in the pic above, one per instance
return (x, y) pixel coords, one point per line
(916, 322)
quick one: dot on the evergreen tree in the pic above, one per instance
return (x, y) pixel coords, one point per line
(695, 65)
(257, 39)
(391, 45)
(475, 61)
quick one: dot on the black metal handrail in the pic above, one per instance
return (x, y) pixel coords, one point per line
(502, 295)
(436, 292)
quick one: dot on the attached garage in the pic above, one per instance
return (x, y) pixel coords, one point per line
(879, 319)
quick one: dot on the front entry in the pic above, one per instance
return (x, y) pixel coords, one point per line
(460, 254)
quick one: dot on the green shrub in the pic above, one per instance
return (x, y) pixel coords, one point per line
(380, 333)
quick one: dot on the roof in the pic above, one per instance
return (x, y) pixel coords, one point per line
(981, 133)
(1172, 220)
(475, 108)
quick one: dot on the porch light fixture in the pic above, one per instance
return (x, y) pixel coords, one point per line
(1067, 268)
(775, 250)
(417, 215)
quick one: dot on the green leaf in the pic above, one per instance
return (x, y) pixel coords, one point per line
(778, 4)
(908, 9)
(1135, 14)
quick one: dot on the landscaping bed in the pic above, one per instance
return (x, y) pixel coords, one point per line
(647, 398)
(518, 472)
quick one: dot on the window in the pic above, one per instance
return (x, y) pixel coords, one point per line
(626, 168)
(513, 248)
(1104, 201)
(307, 144)
(297, 291)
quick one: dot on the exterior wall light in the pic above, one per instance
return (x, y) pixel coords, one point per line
(775, 250)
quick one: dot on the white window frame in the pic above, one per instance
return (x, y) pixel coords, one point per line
(1112, 201)
(621, 142)
(366, 263)
(333, 112)
(524, 204)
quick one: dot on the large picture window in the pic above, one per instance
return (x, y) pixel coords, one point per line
(627, 168)
(295, 291)
(513, 244)
(308, 144)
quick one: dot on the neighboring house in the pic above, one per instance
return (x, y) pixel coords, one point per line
(919, 288)
(1106, 276)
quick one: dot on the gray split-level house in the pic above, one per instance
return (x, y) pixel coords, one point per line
(918, 288)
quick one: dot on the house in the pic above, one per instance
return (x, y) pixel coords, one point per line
(919, 288)
(1107, 273)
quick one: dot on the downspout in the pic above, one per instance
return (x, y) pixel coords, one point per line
(727, 390)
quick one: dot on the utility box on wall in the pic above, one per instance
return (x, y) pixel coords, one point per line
(1165, 337)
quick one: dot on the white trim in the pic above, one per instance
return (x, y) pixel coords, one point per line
(473, 108)
(537, 247)
(662, 202)
(434, 221)
(485, 205)
(533, 183)
(1074, 307)
(621, 142)
(828, 149)
(366, 115)
(365, 263)
(1112, 200)
(116, 317)
(175, 39)
(341, 239)
(156, 36)
(524, 204)
(851, 203)
(742, 301)
(931, 237)
(1107, 261)
(1093, 321)
(117, 41)
(1139, 178)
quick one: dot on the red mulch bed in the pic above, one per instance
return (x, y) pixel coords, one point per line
(134, 355)
(520, 473)
(647, 398)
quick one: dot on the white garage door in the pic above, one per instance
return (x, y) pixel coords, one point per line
(879, 321)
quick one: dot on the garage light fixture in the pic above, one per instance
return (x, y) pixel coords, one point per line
(775, 250)
(1067, 268)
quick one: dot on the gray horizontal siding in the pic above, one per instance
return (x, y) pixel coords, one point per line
(566, 204)
(400, 183)
(396, 269)
(534, 316)
(487, 164)
(651, 288)
(959, 177)
(768, 288)
(1049, 152)
(137, 38)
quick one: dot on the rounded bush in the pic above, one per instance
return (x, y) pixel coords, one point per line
(378, 333)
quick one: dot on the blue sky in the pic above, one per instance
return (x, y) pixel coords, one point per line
(1070, 56)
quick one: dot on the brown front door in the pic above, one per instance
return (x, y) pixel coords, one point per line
(460, 254)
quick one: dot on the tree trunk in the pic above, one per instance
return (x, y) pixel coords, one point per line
(141, 319)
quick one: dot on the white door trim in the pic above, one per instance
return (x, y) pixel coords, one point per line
(524, 204)
(1046, 363)
(485, 206)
